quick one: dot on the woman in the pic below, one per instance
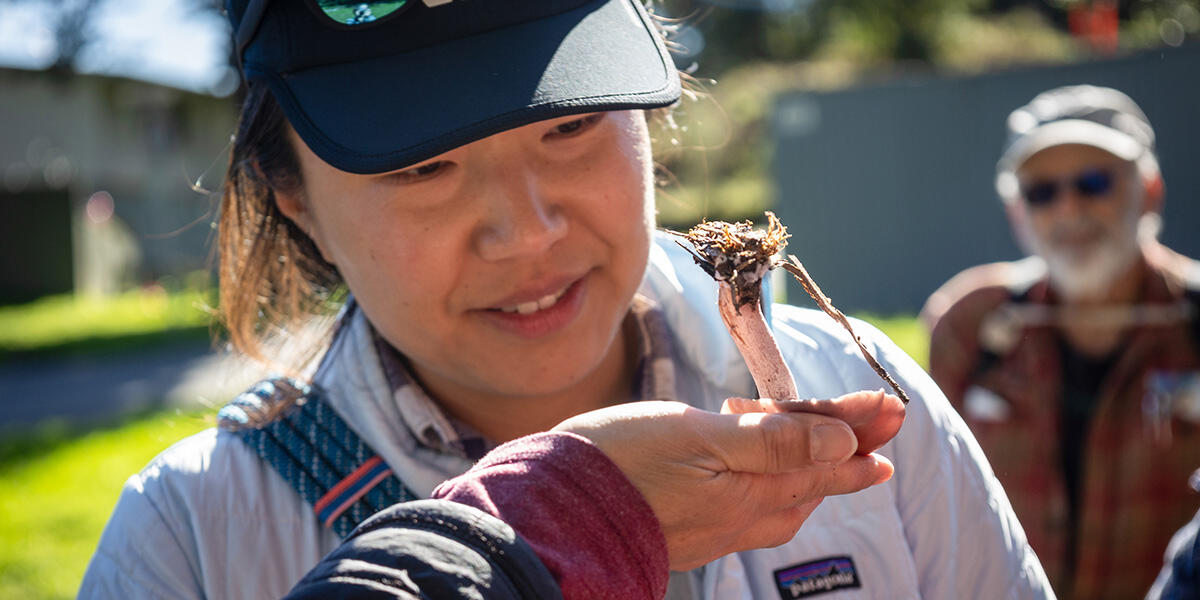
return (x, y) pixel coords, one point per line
(478, 177)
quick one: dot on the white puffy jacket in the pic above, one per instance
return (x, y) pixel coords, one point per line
(208, 518)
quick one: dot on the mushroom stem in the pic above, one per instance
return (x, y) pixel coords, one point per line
(754, 340)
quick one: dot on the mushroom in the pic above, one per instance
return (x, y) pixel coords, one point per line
(738, 256)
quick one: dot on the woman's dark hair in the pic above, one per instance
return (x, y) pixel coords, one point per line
(273, 279)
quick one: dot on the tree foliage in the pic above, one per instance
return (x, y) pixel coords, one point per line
(915, 31)
(74, 26)
(754, 49)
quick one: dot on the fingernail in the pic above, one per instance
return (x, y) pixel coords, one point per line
(883, 477)
(888, 469)
(832, 443)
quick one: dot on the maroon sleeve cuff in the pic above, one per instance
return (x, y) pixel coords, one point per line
(582, 516)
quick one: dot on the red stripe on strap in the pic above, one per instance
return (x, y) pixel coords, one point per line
(337, 512)
(344, 484)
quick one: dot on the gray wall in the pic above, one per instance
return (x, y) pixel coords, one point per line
(888, 190)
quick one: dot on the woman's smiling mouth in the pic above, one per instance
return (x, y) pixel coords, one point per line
(528, 308)
(543, 316)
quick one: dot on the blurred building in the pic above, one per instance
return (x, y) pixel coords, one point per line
(96, 177)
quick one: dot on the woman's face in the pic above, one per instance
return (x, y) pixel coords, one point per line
(504, 267)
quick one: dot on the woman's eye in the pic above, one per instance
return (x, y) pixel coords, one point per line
(575, 127)
(420, 172)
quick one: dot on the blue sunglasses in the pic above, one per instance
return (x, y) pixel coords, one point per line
(1091, 184)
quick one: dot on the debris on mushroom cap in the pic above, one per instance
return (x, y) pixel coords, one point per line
(737, 253)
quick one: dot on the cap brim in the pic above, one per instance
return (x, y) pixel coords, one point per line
(386, 113)
(1061, 133)
(1071, 131)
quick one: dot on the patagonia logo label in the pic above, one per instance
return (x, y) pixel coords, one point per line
(817, 577)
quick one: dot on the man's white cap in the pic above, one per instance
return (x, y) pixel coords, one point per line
(1079, 114)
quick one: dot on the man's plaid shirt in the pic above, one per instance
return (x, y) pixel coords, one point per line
(1144, 436)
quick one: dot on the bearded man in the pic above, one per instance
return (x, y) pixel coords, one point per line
(1078, 367)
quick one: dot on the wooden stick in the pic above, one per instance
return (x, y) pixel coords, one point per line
(796, 268)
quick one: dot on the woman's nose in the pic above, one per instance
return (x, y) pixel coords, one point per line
(521, 218)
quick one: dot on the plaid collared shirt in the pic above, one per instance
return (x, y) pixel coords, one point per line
(654, 379)
(1001, 367)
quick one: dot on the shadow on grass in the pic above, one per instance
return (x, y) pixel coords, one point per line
(19, 444)
(107, 345)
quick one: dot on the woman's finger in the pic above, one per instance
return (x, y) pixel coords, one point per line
(776, 443)
(777, 491)
(874, 416)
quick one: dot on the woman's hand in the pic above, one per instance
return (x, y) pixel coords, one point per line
(721, 483)
(874, 416)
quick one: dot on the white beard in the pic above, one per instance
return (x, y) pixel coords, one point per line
(1078, 275)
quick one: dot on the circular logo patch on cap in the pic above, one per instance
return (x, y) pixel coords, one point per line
(357, 12)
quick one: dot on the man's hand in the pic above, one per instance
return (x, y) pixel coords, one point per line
(721, 483)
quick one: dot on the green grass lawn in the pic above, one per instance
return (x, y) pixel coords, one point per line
(57, 489)
(907, 332)
(58, 485)
(70, 324)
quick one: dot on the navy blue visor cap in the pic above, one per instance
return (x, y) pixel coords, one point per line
(371, 95)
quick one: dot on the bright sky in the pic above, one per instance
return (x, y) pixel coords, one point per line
(171, 42)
